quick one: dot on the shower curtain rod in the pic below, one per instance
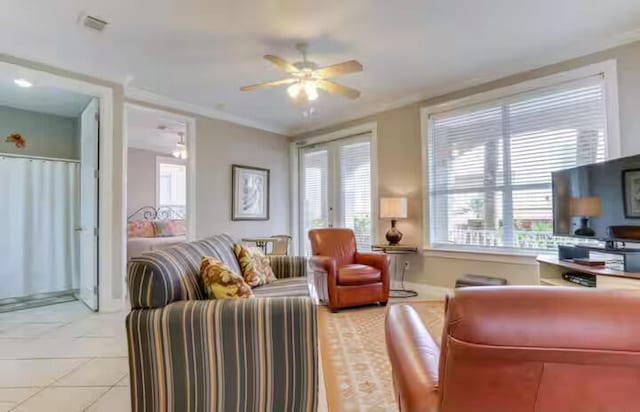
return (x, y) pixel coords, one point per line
(51, 159)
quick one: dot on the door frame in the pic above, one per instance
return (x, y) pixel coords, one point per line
(106, 196)
(294, 172)
(190, 141)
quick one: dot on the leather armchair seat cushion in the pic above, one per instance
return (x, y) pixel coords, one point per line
(352, 275)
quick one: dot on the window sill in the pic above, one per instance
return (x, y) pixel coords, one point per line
(520, 257)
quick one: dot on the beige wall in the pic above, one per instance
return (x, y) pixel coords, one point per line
(141, 178)
(399, 166)
(220, 144)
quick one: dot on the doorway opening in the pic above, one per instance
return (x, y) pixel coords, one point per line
(49, 183)
(159, 204)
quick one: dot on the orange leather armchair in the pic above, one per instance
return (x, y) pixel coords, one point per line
(520, 349)
(344, 276)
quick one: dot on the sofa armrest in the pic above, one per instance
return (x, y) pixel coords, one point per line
(414, 358)
(288, 266)
(224, 355)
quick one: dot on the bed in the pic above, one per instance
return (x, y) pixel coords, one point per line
(150, 228)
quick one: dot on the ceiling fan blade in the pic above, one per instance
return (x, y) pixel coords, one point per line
(282, 64)
(351, 66)
(267, 84)
(336, 88)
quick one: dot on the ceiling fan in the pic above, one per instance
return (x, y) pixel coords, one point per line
(306, 78)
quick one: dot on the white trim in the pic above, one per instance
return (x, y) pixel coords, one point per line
(294, 225)
(146, 96)
(294, 153)
(106, 269)
(190, 141)
(607, 68)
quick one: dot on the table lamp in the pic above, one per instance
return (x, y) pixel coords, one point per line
(393, 208)
(584, 207)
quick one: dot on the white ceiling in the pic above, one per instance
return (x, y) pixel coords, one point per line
(143, 132)
(201, 52)
(42, 99)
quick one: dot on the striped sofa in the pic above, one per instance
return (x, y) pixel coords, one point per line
(187, 353)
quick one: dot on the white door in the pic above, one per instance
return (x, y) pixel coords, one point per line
(88, 227)
(336, 189)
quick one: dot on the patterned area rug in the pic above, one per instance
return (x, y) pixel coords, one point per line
(356, 368)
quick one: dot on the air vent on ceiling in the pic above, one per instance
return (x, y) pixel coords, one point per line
(94, 23)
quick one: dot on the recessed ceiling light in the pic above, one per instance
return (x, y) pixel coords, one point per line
(23, 83)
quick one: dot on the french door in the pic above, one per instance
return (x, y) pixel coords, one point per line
(336, 188)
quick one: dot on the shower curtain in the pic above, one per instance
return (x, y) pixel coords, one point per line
(39, 209)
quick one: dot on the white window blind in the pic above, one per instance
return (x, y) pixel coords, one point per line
(355, 184)
(490, 164)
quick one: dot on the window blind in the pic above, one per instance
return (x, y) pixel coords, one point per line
(314, 192)
(490, 164)
(355, 185)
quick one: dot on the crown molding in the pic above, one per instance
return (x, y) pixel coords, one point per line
(146, 96)
(582, 49)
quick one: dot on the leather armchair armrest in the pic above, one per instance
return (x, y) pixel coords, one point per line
(414, 360)
(326, 264)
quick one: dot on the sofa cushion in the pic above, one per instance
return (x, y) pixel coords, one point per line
(158, 278)
(289, 287)
(222, 283)
(350, 275)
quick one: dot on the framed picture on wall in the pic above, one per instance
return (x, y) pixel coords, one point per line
(250, 193)
(631, 190)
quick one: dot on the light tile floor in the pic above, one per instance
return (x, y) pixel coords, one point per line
(65, 358)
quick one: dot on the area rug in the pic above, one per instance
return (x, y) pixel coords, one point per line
(357, 373)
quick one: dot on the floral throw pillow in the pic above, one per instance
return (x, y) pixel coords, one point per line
(256, 268)
(221, 282)
(167, 228)
(141, 228)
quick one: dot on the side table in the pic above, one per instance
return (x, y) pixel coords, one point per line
(394, 251)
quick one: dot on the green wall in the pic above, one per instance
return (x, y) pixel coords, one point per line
(46, 135)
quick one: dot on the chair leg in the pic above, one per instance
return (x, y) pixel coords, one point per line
(384, 303)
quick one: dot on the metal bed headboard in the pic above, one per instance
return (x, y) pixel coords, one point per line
(155, 213)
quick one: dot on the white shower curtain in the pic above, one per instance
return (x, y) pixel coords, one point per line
(38, 214)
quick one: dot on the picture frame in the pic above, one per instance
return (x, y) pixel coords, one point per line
(250, 198)
(631, 193)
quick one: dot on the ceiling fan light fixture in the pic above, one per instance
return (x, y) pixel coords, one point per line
(294, 90)
(311, 90)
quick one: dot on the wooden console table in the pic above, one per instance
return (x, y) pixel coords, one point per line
(550, 270)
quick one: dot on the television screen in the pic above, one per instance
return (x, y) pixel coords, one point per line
(598, 201)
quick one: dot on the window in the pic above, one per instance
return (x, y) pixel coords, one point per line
(336, 188)
(171, 187)
(490, 163)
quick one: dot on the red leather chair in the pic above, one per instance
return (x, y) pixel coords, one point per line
(344, 276)
(520, 349)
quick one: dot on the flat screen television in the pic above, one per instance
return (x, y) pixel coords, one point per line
(599, 201)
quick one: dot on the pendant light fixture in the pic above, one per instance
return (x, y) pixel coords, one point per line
(180, 151)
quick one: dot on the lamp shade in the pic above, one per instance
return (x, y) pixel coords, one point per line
(393, 208)
(584, 206)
